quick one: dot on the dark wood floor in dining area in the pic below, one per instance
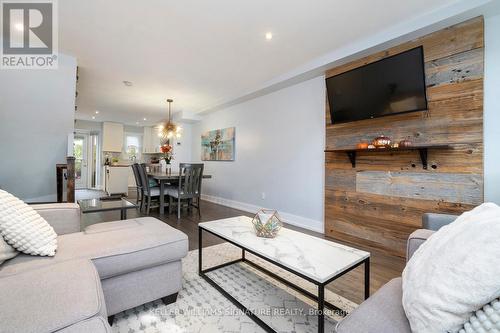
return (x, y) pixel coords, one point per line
(383, 267)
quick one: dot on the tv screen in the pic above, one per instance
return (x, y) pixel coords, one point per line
(392, 85)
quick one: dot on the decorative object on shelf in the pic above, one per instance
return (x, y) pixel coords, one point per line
(114, 161)
(218, 145)
(405, 143)
(382, 142)
(422, 151)
(267, 223)
(169, 130)
(362, 145)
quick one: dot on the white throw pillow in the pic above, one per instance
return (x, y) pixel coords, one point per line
(6, 251)
(454, 273)
(23, 228)
(485, 320)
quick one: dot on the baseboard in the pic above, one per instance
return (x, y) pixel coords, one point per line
(298, 221)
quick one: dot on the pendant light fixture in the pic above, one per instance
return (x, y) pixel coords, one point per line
(169, 130)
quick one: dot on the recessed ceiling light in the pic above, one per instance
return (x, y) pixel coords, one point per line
(19, 27)
(93, 117)
(128, 83)
(96, 111)
(269, 35)
(144, 119)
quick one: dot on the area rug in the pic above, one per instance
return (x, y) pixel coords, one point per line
(201, 308)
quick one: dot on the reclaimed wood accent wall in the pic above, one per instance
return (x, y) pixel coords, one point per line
(380, 201)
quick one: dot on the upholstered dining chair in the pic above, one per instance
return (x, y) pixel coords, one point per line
(138, 184)
(189, 187)
(150, 192)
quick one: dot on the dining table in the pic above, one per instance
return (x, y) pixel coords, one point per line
(163, 178)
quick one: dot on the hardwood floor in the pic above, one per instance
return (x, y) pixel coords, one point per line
(383, 267)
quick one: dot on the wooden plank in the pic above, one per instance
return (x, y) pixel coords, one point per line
(393, 210)
(378, 221)
(459, 38)
(388, 238)
(451, 187)
(440, 44)
(398, 252)
(442, 130)
(328, 118)
(70, 193)
(457, 90)
(340, 179)
(456, 68)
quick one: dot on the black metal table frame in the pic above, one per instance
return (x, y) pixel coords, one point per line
(320, 298)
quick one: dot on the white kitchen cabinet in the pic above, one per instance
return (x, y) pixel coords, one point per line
(151, 141)
(116, 179)
(112, 137)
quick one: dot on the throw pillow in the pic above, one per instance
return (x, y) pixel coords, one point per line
(23, 228)
(6, 251)
(454, 273)
(485, 320)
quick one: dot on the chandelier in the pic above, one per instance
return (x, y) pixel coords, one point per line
(169, 130)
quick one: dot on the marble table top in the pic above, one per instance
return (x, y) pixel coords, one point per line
(316, 258)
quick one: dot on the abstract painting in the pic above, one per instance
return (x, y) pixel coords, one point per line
(218, 145)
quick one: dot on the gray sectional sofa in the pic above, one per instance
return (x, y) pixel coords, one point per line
(105, 269)
(383, 311)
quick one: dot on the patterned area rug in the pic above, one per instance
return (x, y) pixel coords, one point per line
(201, 308)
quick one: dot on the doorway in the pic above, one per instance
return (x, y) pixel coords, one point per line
(80, 151)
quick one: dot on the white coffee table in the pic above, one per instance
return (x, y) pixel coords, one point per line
(314, 259)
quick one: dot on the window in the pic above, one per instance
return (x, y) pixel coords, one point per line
(132, 146)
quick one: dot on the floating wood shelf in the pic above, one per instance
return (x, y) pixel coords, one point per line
(351, 153)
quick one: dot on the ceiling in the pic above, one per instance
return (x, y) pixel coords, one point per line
(205, 53)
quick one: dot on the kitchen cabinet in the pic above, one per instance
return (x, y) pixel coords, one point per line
(112, 137)
(151, 140)
(116, 179)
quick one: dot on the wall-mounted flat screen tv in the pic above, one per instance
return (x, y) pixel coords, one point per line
(389, 86)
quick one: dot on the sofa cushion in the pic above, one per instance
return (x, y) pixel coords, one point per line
(63, 217)
(6, 251)
(382, 312)
(94, 325)
(115, 247)
(23, 228)
(52, 297)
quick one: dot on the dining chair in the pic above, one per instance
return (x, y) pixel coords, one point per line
(189, 187)
(138, 184)
(150, 192)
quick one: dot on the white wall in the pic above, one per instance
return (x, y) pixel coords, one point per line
(279, 151)
(36, 116)
(492, 110)
(183, 151)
